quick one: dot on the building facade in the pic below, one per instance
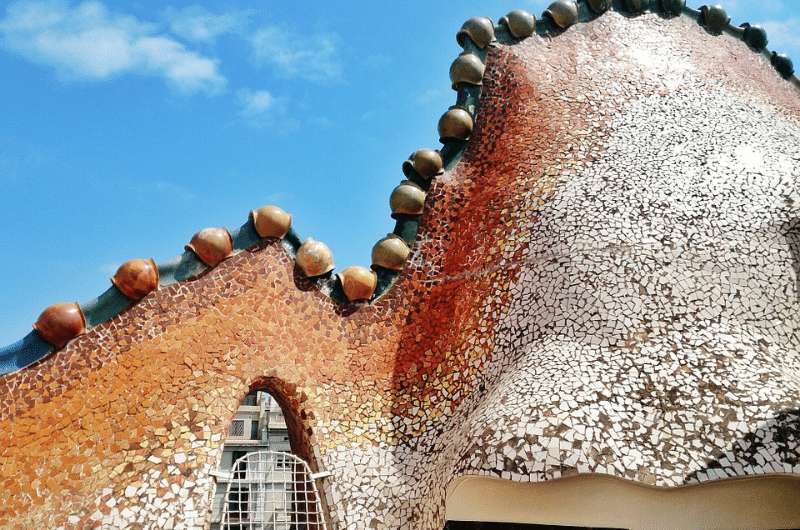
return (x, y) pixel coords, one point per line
(258, 425)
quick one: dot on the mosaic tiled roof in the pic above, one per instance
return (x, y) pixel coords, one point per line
(602, 280)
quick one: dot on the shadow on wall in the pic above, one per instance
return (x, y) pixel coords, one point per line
(602, 501)
(779, 436)
(474, 525)
(791, 231)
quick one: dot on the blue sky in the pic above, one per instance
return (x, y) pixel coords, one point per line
(128, 126)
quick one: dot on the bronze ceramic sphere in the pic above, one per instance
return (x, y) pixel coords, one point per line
(467, 69)
(599, 6)
(136, 278)
(211, 245)
(407, 198)
(636, 6)
(672, 7)
(783, 64)
(520, 24)
(714, 18)
(358, 283)
(755, 36)
(563, 12)
(60, 323)
(427, 163)
(479, 29)
(271, 221)
(455, 124)
(314, 258)
(391, 253)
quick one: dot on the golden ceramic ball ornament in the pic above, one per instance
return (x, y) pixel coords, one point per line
(599, 6)
(391, 253)
(479, 29)
(136, 278)
(271, 221)
(211, 245)
(314, 258)
(455, 124)
(714, 18)
(564, 13)
(60, 323)
(467, 69)
(521, 24)
(407, 198)
(426, 162)
(358, 283)
(673, 7)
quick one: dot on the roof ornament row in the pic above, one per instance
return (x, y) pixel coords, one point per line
(136, 278)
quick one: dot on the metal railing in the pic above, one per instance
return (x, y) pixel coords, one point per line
(270, 490)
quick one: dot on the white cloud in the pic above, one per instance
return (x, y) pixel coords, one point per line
(260, 109)
(196, 23)
(311, 57)
(87, 41)
(255, 103)
(784, 35)
(176, 190)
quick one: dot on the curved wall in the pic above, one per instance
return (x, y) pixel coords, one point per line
(606, 502)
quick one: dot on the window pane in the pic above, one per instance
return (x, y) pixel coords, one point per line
(237, 428)
(251, 399)
(254, 435)
(241, 471)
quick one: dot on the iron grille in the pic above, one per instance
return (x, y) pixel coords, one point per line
(270, 490)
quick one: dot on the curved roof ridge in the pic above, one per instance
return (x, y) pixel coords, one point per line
(62, 322)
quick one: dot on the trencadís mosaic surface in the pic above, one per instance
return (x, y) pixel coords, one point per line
(602, 280)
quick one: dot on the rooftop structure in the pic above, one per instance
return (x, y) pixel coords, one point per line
(587, 314)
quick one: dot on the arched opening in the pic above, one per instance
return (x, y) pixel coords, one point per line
(264, 481)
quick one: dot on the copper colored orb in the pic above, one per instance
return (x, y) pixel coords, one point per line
(479, 29)
(60, 323)
(755, 36)
(314, 258)
(426, 162)
(211, 245)
(358, 283)
(563, 12)
(714, 18)
(271, 221)
(455, 124)
(521, 24)
(636, 6)
(391, 253)
(782, 63)
(137, 277)
(599, 6)
(673, 7)
(407, 198)
(467, 69)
